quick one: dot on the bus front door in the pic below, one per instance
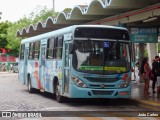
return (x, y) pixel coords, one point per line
(66, 69)
(42, 67)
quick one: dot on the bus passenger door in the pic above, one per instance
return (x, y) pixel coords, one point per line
(26, 50)
(66, 68)
(42, 65)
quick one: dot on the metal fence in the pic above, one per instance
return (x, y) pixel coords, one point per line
(6, 66)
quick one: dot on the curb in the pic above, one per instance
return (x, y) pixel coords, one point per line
(3, 72)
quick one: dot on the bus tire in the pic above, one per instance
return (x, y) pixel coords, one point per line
(30, 89)
(59, 98)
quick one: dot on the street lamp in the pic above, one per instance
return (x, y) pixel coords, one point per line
(53, 6)
(0, 14)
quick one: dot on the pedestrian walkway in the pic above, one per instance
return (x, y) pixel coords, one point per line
(139, 98)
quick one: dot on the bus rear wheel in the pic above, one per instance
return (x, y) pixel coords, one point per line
(59, 98)
(30, 89)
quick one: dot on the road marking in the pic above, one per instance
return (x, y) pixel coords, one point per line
(56, 108)
(92, 118)
(133, 118)
(150, 107)
(150, 102)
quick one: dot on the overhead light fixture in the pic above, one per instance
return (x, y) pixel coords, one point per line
(150, 19)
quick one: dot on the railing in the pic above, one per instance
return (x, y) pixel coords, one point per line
(6, 66)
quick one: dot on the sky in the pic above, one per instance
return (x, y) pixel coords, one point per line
(13, 10)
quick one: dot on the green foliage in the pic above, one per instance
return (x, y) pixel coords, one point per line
(3, 34)
(146, 53)
(9, 30)
(40, 14)
(67, 10)
(13, 41)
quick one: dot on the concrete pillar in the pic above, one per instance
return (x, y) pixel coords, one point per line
(141, 56)
(141, 52)
(152, 52)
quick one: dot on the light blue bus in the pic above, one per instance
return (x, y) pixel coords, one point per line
(80, 61)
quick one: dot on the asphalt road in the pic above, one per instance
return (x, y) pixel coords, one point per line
(15, 97)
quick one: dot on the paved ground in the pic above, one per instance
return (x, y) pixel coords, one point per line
(15, 97)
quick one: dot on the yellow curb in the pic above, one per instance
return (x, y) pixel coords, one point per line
(150, 103)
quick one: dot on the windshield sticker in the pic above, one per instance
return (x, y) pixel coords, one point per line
(106, 44)
(123, 69)
(91, 68)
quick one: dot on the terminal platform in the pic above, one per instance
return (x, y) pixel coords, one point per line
(138, 97)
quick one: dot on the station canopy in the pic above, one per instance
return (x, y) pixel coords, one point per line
(96, 12)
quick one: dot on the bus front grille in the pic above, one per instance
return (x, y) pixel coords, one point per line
(99, 86)
(98, 92)
(101, 80)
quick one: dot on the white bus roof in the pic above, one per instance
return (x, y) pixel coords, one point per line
(64, 30)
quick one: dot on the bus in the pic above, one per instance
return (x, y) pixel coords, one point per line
(80, 61)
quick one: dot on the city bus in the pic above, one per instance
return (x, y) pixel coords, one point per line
(80, 61)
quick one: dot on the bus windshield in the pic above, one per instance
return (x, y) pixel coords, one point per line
(101, 57)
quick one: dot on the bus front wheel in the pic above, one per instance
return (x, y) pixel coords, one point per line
(59, 98)
(30, 89)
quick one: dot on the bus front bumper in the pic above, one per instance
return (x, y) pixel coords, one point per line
(78, 92)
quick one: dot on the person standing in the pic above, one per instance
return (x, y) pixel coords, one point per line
(146, 72)
(137, 72)
(154, 66)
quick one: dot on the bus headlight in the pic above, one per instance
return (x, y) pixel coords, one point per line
(124, 84)
(78, 82)
(126, 80)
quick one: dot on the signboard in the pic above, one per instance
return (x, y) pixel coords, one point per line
(144, 35)
(106, 44)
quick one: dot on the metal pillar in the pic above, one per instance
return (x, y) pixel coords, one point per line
(53, 6)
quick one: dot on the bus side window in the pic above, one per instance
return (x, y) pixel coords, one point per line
(22, 52)
(30, 55)
(58, 47)
(36, 50)
(50, 48)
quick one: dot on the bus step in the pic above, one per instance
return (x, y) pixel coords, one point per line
(41, 90)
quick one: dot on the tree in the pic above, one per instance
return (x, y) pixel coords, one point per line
(67, 10)
(39, 14)
(3, 34)
(13, 41)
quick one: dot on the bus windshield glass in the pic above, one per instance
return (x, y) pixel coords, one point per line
(101, 57)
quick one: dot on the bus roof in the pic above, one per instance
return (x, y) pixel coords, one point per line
(63, 31)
